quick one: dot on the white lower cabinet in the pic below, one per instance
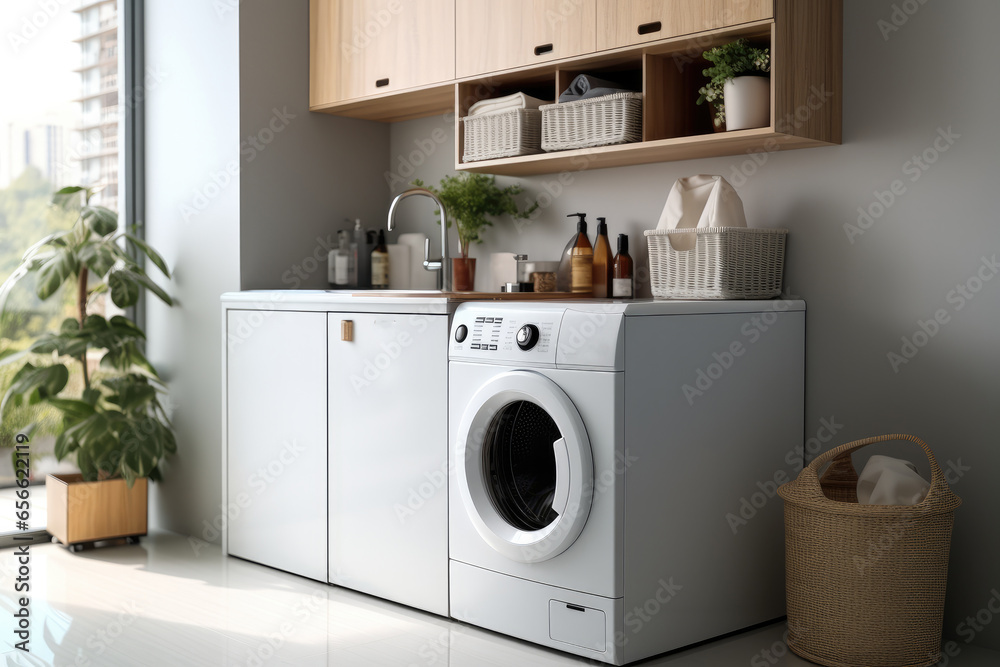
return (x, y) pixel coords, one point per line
(388, 456)
(276, 449)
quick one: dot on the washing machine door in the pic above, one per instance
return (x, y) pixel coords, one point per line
(524, 466)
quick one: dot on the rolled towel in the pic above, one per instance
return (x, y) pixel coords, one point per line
(585, 87)
(515, 101)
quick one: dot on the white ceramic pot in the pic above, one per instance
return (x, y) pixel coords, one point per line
(748, 102)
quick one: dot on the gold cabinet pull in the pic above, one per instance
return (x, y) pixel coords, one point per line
(347, 330)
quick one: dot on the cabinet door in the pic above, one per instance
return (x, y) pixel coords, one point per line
(492, 36)
(626, 22)
(276, 439)
(389, 457)
(365, 47)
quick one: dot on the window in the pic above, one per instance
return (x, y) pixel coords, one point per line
(67, 116)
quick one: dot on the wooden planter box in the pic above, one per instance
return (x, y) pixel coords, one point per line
(80, 511)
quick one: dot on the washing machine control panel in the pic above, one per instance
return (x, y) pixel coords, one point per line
(512, 335)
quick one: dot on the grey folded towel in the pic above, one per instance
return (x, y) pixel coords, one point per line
(585, 87)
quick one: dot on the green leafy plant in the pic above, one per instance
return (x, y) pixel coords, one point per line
(470, 198)
(116, 425)
(729, 61)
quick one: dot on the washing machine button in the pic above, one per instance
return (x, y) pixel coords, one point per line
(461, 332)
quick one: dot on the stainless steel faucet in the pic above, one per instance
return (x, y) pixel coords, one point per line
(443, 264)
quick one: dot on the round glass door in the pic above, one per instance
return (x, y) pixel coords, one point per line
(520, 465)
(527, 474)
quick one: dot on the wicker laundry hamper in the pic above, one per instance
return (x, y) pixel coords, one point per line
(865, 583)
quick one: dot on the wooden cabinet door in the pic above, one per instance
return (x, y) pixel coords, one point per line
(627, 22)
(494, 35)
(366, 47)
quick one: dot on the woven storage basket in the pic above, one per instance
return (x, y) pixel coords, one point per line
(600, 121)
(726, 263)
(865, 583)
(502, 134)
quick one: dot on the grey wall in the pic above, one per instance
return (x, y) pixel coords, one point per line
(303, 173)
(193, 218)
(935, 73)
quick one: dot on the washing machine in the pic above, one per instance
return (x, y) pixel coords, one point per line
(613, 465)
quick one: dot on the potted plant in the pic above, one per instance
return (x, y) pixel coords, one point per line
(739, 87)
(469, 199)
(112, 418)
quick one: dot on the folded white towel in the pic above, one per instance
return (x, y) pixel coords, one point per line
(515, 101)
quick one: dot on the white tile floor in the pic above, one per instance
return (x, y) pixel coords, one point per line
(172, 601)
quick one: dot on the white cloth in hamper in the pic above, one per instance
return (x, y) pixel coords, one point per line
(700, 201)
(889, 481)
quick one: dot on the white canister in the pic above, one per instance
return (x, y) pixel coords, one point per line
(399, 266)
(748, 102)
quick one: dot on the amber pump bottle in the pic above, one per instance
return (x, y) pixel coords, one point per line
(623, 281)
(603, 261)
(577, 265)
(380, 263)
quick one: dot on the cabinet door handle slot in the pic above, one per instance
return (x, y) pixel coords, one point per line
(646, 28)
(347, 330)
(543, 49)
(382, 83)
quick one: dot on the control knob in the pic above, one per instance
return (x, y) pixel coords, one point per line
(527, 336)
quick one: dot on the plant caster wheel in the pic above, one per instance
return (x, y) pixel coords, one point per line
(134, 539)
(75, 548)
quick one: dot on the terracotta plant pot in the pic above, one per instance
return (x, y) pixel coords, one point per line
(80, 512)
(463, 274)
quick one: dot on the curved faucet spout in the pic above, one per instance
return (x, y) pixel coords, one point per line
(444, 264)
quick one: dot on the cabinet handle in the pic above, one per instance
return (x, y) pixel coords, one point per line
(347, 330)
(381, 83)
(542, 49)
(647, 28)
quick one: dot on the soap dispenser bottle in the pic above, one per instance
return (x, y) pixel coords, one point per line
(603, 260)
(380, 263)
(338, 273)
(355, 270)
(577, 265)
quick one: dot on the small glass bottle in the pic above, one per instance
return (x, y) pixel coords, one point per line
(380, 263)
(623, 277)
(338, 262)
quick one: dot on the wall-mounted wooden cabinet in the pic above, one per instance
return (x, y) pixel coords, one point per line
(628, 22)
(653, 46)
(360, 48)
(493, 36)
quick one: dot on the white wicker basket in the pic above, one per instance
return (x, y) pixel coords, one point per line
(601, 121)
(726, 263)
(502, 134)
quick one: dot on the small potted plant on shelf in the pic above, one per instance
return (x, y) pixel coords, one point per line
(739, 87)
(469, 199)
(112, 420)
